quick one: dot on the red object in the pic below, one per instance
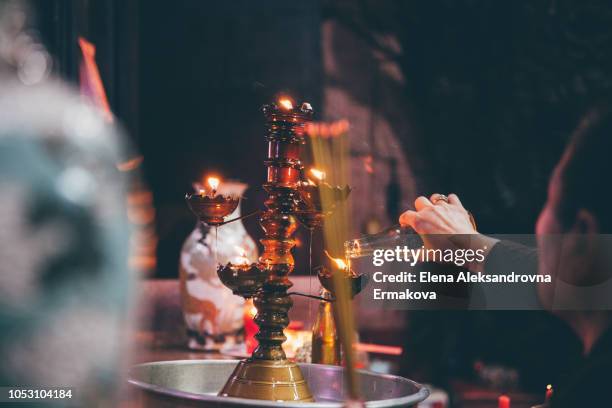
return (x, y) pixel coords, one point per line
(250, 327)
(549, 392)
(379, 349)
(90, 80)
(296, 325)
(503, 401)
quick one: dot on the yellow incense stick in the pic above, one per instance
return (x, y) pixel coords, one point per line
(331, 155)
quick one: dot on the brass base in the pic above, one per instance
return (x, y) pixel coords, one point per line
(267, 380)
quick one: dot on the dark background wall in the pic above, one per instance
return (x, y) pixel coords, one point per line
(206, 69)
(113, 27)
(492, 88)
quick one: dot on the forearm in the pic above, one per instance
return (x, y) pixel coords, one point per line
(480, 242)
(507, 256)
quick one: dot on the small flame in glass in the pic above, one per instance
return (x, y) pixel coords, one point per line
(252, 311)
(338, 261)
(242, 258)
(285, 103)
(549, 392)
(341, 264)
(213, 182)
(318, 174)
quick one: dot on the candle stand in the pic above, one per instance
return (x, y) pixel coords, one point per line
(268, 374)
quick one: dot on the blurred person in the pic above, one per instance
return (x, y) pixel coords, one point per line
(568, 232)
(64, 280)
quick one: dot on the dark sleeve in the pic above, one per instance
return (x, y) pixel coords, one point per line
(505, 258)
(508, 256)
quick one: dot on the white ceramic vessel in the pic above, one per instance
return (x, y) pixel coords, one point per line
(213, 315)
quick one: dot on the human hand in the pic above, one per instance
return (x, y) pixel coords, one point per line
(443, 223)
(439, 215)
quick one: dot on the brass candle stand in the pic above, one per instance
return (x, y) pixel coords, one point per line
(268, 374)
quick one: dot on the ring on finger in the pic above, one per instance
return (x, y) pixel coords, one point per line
(439, 197)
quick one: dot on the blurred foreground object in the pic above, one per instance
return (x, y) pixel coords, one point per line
(90, 81)
(63, 231)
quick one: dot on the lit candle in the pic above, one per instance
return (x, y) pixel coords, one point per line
(341, 264)
(241, 260)
(213, 183)
(285, 103)
(503, 401)
(549, 392)
(318, 174)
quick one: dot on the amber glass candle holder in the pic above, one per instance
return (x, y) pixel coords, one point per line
(355, 282)
(244, 280)
(310, 209)
(211, 209)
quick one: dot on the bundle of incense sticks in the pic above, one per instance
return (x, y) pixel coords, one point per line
(331, 155)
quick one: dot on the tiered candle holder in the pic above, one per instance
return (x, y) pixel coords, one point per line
(267, 374)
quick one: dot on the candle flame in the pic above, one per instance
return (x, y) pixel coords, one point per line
(341, 264)
(285, 103)
(213, 182)
(338, 261)
(251, 309)
(549, 393)
(242, 258)
(319, 174)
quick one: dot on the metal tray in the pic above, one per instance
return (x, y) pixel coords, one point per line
(195, 383)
